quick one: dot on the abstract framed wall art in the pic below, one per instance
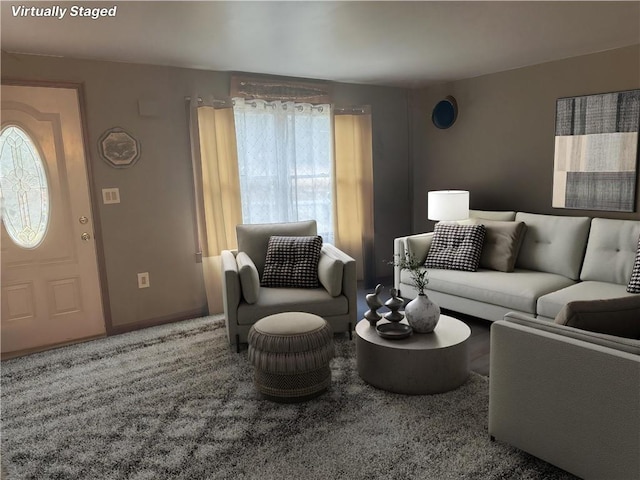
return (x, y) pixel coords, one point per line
(596, 151)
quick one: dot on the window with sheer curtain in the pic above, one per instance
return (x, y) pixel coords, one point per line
(285, 162)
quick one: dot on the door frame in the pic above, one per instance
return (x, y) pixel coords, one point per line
(93, 196)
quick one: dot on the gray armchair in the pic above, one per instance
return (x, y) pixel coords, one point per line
(570, 397)
(246, 301)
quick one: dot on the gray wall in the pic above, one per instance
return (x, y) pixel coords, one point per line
(153, 229)
(501, 147)
(392, 194)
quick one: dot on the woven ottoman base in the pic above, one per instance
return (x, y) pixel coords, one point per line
(291, 354)
(293, 387)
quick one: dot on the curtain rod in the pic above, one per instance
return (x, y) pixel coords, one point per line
(200, 100)
(353, 110)
(272, 104)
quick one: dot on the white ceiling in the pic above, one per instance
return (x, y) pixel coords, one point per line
(387, 43)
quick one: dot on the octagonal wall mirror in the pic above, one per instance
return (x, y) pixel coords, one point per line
(445, 112)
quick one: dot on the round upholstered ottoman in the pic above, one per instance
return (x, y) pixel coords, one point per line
(291, 353)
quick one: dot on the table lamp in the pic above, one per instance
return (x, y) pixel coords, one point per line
(448, 205)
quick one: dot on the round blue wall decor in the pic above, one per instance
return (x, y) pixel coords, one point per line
(445, 112)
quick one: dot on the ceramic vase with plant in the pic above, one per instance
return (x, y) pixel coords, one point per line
(422, 314)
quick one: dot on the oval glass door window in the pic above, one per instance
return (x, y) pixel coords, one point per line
(25, 191)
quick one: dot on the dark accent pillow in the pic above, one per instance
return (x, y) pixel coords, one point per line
(456, 247)
(634, 281)
(613, 316)
(292, 262)
(501, 243)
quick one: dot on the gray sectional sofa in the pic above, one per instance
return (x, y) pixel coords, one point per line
(567, 396)
(560, 259)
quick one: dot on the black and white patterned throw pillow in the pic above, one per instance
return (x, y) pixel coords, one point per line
(634, 281)
(456, 247)
(292, 262)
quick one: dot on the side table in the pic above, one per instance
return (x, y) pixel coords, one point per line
(423, 363)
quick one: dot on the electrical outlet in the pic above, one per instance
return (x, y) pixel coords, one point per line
(143, 280)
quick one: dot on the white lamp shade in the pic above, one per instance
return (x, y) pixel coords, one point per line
(448, 205)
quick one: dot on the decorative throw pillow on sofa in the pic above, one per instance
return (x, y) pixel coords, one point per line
(501, 244)
(634, 281)
(292, 262)
(456, 247)
(613, 316)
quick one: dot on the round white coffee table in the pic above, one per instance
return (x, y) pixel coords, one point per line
(420, 364)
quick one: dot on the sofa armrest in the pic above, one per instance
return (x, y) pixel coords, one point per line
(249, 278)
(611, 341)
(330, 270)
(349, 276)
(231, 293)
(569, 398)
(418, 245)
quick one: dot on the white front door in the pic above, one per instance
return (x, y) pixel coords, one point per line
(50, 285)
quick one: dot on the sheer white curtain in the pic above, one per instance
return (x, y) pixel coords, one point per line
(285, 162)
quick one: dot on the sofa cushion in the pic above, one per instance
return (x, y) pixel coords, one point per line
(634, 282)
(550, 305)
(330, 274)
(553, 243)
(254, 238)
(501, 243)
(456, 247)
(517, 290)
(611, 250)
(276, 300)
(505, 216)
(614, 316)
(292, 262)
(249, 278)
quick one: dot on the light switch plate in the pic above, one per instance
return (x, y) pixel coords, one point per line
(110, 195)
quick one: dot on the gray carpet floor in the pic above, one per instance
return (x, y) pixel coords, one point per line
(174, 402)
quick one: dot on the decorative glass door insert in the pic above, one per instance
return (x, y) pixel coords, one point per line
(24, 187)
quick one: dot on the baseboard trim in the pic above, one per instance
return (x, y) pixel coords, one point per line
(116, 330)
(44, 348)
(153, 322)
